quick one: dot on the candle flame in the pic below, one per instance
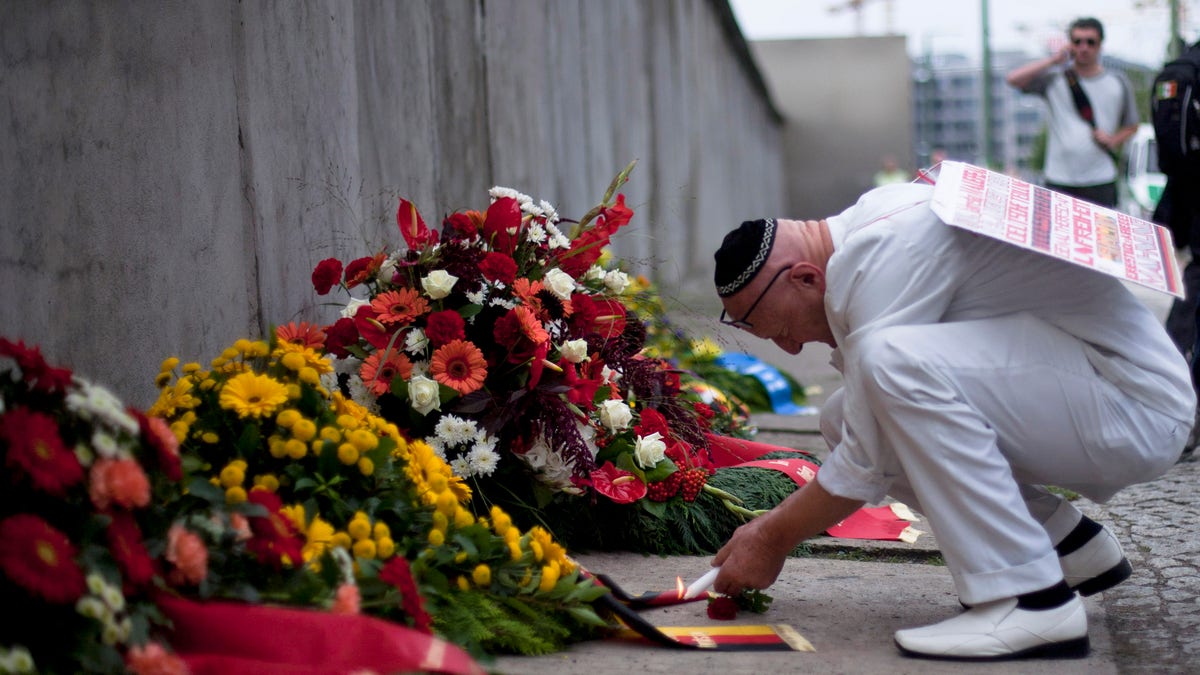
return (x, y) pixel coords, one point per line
(679, 587)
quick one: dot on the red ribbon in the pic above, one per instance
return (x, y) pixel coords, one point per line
(230, 638)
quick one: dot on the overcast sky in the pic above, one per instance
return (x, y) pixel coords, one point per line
(1136, 30)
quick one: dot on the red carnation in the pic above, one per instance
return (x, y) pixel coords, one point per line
(652, 421)
(40, 559)
(459, 225)
(156, 432)
(340, 335)
(326, 275)
(445, 326)
(398, 574)
(36, 450)
(498, 267)
(125, 542)
(38, 375)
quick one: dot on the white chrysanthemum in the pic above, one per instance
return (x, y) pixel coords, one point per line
(557, 238)
(84, 454)
(361, 394)
(531, 209)
(420, 368)
(503, 302)
(484, 440)
(501, 192)
(94, 402)
(483, 460)
(352, 307)
(477, 297)
(455, 430)
(548, 211)
(89, 606)
(105, 444)
(535, 233)
(415, 341)
(438, 445)
(461, 467)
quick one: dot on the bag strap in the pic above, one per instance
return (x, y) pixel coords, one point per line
(1084, 105)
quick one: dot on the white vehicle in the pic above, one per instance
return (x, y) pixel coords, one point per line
(1143, 183)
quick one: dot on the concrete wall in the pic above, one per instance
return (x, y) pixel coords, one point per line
(848, 102)
(171, 171)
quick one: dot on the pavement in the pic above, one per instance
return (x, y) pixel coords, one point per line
(847, 597)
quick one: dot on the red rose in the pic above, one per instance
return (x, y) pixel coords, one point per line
(327, 274)
(722, 608)
(498, 267)
(445, 326)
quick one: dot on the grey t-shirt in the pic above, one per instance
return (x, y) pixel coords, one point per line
(1072, 156)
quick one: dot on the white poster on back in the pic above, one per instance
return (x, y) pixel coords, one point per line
(1057, 225)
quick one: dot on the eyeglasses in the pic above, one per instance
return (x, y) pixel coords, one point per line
(742, 322)
(1091, 42)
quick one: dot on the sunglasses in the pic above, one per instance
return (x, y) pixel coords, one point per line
(1091, 42)
(742, 322)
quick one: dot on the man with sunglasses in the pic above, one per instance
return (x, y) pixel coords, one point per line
(974, 374)
(1091, 113)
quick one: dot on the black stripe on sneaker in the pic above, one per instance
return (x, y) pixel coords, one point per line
(1082, 534)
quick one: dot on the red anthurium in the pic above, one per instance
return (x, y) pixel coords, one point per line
(620, 486)
(370, 328)
(583, 388)
(586, 248)
(416, 234)
(538, 364)
(502, 224)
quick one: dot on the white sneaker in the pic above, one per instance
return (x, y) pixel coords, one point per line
(1001, 630)
(1096, 566)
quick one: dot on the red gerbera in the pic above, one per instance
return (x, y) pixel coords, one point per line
(303, 333)
(125, 542)
(377, 373)
(275, 540)
(498, 267)
(40, 559)
(400, 307)
(326, 275)
(620, 486)
(340, 335)
(459, 365)
(445, 326)
(36, 450)
(398, 573)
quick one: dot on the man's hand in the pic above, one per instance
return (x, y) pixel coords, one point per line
(752, 558)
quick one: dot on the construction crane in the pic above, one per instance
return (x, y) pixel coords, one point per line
(856, 6)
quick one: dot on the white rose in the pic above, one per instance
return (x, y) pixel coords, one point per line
(615, 415)
(649, 450)
(437, 284)
(559, 283)
(424, 395)
(386, 271)
(575, 351)
(352, 307)
(616, 281)
(594, 273)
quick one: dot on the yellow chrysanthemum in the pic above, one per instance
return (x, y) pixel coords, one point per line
(341, 540)
(514, 549)
(232, 475)
(304, 430)
(359, 527)
(550, 574)
(347, 454)
(288, 418)
(482, 575)
(252, 395)
(385, 548)
(365, 466)
(463, 584)
(235, 495)
(436, 538)
(463, 518)
(364, 549)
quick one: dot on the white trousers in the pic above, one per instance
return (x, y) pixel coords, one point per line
(978, 415)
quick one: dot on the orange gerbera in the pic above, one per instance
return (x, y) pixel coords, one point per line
(378, 373)
(459, 365)
(303, 333)
(401, 306)
(531, 326)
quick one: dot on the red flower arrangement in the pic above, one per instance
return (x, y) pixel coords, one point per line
(77, 523)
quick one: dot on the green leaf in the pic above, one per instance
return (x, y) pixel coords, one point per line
(656, 509)
(470, 310)
(207, 491)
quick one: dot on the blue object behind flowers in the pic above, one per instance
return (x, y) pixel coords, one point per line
(778, 390)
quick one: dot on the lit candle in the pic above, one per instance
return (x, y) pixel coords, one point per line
(702, 584)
